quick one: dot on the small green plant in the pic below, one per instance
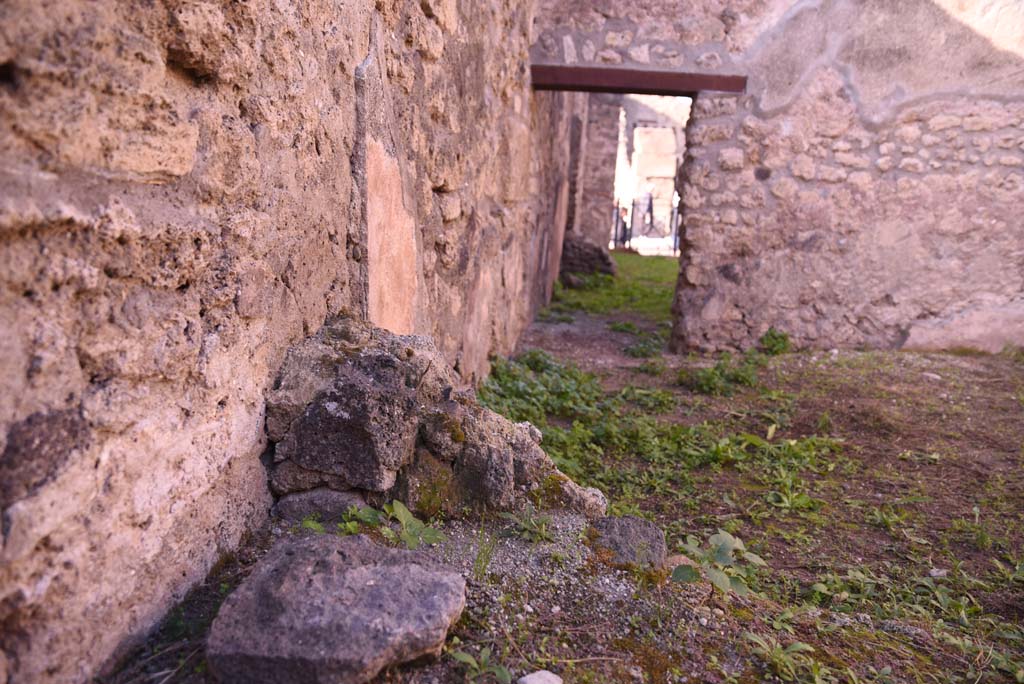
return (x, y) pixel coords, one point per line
(725, 560)
(787, 494)
(1010, 572)
(774, 342)
(482, 665)
(645, 347)
(529, 525)
(653, 401)
(979, 535)
(551, 315)
(886, 517)
(312, 523)
(486, 544)
(724, 377)
(789, 663)
(353, 520)
(412, 531)
(783, 622)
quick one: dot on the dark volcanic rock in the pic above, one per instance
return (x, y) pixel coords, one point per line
(362, 429)
(328, 504)
(325, 609)
(632, 541)
(580, 256)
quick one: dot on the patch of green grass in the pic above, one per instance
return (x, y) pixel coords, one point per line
(653, 401)
(644, 286)
(658, 367)
(613, 442)
(534, 386)
(774, 342)
(724, 377)
(528, 524)
(624, 327)
(1015, 354)
(969, 352)
(554, 315)
(647, 346)
(486, 544)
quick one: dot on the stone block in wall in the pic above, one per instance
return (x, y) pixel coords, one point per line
(731, 159)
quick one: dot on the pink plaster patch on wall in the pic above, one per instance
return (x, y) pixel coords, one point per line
(393, 288)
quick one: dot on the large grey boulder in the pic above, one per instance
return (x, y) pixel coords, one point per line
(631, 542)
(326, 609)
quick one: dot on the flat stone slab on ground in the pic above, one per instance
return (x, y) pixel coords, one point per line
(632, 541)
(327, 609)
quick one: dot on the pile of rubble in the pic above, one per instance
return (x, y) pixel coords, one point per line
(358, 416)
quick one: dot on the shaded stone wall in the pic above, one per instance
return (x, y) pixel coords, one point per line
(188, 188)
(597, 186)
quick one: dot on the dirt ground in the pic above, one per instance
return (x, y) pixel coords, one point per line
(884, 492)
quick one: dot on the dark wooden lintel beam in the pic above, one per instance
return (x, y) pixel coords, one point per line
(615, 79)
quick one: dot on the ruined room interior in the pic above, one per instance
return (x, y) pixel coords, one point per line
(428, 341)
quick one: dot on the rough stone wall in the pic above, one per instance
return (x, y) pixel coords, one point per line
(577, 161)
(597, 189)
(186, 189)
(693, 36)
(863, 191)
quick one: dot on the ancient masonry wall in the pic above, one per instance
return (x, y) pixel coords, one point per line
(597, 169)
(905, 235)
(863, 191)
(187, 189)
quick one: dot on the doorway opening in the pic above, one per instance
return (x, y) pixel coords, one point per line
(650, 153)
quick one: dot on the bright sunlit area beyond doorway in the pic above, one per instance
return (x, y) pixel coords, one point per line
(651, 147)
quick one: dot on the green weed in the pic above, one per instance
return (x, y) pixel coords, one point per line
(774, 342)
(789, 663)
(725, 560)
(653, 401)
(481, 666)
(486, 544)
(724, 377)
(644, 348)
(624, 327)
(412, 531)
(529, 525)
(312, 523)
